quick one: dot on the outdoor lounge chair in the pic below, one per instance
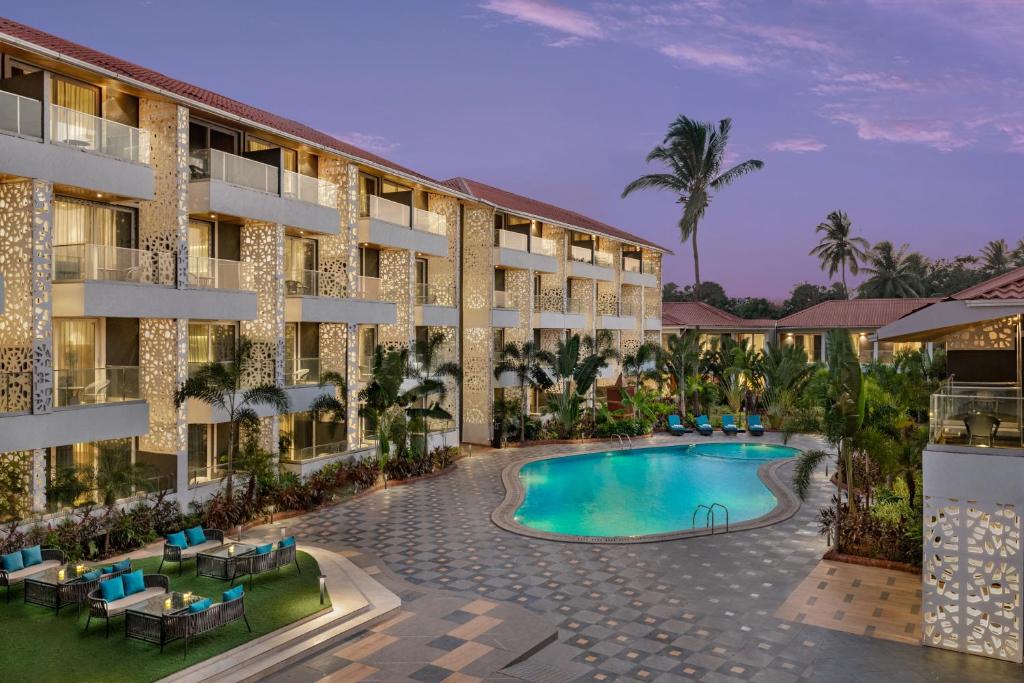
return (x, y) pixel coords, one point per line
(259, 563)
(675, 426)
(729, 425)
(176, 553)
(155, 584)
(754, 425)
(190, 624)
(703, 426)
(51, 558)
(981, 427)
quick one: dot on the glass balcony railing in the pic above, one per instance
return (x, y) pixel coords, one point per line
(619, 308)
(213, 273)
(572, 306)
(309, 189)
(504, 299)
(365, 367)
(577, 306)
(431, 294)
(195, 366)
(318, 451)
(631, 265)
(302, 283)
(603, 259)
(94, 134)
(213, 164)
(512, 240)
(542, 245)
(977, 415)
(372, 206)
(301, 371)
(581, 254)
(368, 288)
(444, 354)
(207, 473)
(118, 264)
(88, 386)
(428, 221)
(15, 392)
(21, 115)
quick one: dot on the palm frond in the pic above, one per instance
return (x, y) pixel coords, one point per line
(804, 470)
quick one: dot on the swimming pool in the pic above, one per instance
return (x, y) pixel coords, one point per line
(644, 491)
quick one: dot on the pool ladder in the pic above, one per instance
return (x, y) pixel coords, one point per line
(629, 439)
(709, 518)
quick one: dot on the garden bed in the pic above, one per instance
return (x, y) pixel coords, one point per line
(871, 562)
(557, 442)
(41, 646)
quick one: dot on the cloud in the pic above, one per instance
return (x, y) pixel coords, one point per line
(797, 145)
(934, 133)
(790, 38)
(708, 56)
(377, 144)
(863, 81)
(549, 15)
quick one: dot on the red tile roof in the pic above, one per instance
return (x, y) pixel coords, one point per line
(517, 203)
(1006, 286)
(855, 313)
(692, 314)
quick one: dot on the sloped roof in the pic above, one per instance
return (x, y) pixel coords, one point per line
(853, 313)
(691, 314)
(518, 203)
(1009, 285)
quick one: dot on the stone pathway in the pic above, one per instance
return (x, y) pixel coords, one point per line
(696, 609)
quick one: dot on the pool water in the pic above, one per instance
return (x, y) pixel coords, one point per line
(646, 490)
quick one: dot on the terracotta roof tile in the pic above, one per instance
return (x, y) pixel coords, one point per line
(855, 313)
(1006, 286)
(699, 314)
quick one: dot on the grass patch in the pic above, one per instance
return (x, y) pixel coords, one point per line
(41, 646)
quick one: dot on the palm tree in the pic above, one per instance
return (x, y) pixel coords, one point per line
(894, 274)
(221, 386)
(838, 250)
(382, 397)
(430, 370)
(693, 153)
(679, 361)
(575, 374)
(1018, 254)
(526, 361)
(118, 477)
(996, 257)
(602, 344)
(637, 364)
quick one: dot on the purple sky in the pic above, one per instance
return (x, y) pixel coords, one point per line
(906, 113)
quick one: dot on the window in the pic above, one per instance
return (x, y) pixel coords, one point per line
(632, 260)
(202, 135)
(369, 262)
(367, 343)
(300, 266)
(499, 340)
(210, 342)
(208, 451)
(423, 293)
(499, 280)
(75, 95)
(289, 157)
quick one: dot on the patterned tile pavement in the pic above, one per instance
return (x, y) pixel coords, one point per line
(697, 609)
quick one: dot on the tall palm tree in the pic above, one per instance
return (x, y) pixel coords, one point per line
(996, 257)
(1018, 254)
(838, 249)
(526, 361)
(221, 386)
(430, 370)
(575, 374)
(601, 344)
(894, 274)
(678, 362)
(693, 153)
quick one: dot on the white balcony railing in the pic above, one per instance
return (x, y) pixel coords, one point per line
(302, 282)
(620, 308)
(117, 264)
(309, 189)
(577, 306)
(368, 288)
(95, 134)
(603, 258)
(428, 221)
(631, 265)
(432, 294)
(373, 206)
(213, 164)
(503, 299)
(581, 254)
(301, 371)
(542, 245)
(21, 115)
(512, 240)
(213, 273)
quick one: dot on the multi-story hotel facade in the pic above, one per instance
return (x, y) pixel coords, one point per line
(146, 225)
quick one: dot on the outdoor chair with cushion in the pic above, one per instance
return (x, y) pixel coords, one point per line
(675, 426)
(267, 558)
(981, 427)
(202, 617)
(754, 425)
(17, 566)
(115, 594)
(729, 427)
(185, 545)
(703, 426)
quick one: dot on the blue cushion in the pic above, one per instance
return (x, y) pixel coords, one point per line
(232, 594)
(264, 549)
(112, 589)
(109, 569)
(123, 565)
(12, 562)
(195, 535)
(200, 605)
(286, 542)
(133, 582)
(31, 556)
(91, 576)
(178, 539)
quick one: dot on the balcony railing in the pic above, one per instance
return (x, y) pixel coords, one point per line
(195, 366)
(373, 206)
(87, 386)
(15, 392)
(619, 308)
(214, 273)
(301, 371)
(512, 240)
(542, 245)
(206, 474)
(577, 306)
(572, 306)
(428, 221)
(21, 115)
(118, 264)
(95, 134)
(317, 451)
(365, 367)
(581, 254)
(213, 164)
(603, 258)
(631, 265)
(431, 294)
(368, 288)
(302, 283)
(444, 354)
(309, 189)
(504, 299)
(977, 415)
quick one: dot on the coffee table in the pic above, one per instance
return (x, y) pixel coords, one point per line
(145, 620)
(219, 562)
(57, 587)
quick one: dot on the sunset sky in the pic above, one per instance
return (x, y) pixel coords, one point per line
(907, 114)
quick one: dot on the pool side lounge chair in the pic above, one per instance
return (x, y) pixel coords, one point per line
(703, 426)
(675, 426)
(754, 425)
(729, 425)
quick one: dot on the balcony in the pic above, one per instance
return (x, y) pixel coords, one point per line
(516, 250)
(503, 310)
(435, 305)
(588, 263)
(311, 298)
(977, 415)
(234, 185)
(570, 315)
(80, 150)
(76, 262)
(389, 224)
(90, 386)
(620, 315)
(632, 274)
(299, 371)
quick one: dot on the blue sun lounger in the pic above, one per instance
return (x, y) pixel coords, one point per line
(675, 426)
(729, 425)
(754, 425)
(703, 426)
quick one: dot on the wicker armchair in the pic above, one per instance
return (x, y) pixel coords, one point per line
(252, 565)
(188, 625)
(78, 591)
(51, 557)
(100, 608)
(173, 553)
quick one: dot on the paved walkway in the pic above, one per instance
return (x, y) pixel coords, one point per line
(696, 609)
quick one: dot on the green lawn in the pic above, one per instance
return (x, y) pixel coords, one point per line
(37, 645)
